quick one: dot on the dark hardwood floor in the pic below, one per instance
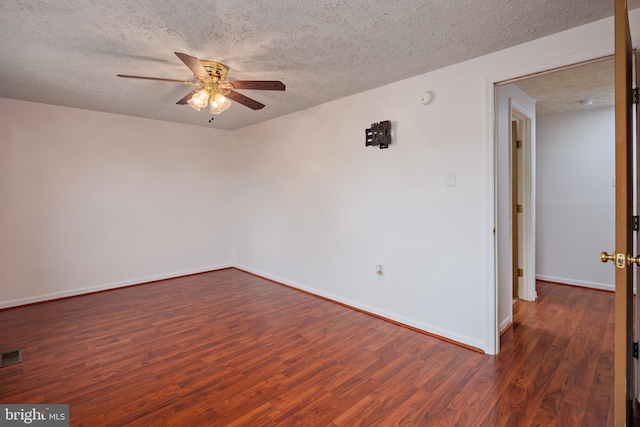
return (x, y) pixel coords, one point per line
(229, 349)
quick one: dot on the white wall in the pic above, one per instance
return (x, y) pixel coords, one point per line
(92, 200)
(317, 209)
(576, 198)
(508, 97)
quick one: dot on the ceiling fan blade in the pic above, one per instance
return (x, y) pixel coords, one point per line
(155, 78)
(187, 97)
(244, 100)
(194, 65)
(257, 84)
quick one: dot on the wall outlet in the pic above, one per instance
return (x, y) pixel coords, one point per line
(379, 272)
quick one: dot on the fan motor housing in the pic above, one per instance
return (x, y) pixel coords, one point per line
(216, 70)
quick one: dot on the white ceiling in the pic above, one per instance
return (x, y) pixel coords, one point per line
(68, 52)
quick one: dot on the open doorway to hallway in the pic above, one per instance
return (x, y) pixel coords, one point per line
(556, 212)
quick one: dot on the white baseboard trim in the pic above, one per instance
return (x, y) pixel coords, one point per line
(429, 329)
(503, 325)
(107, 286)
(574, 282)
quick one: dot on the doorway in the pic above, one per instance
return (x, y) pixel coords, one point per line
(533, 223)
(515, 230)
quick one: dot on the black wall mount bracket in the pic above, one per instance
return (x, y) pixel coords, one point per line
(379, 134)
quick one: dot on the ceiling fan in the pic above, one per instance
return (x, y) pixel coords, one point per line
(215, 90)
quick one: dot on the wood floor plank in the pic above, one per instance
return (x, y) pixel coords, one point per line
(228, 348)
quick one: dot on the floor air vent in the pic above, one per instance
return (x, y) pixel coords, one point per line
(10, 358)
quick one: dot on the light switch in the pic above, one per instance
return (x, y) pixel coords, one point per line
(451, 179)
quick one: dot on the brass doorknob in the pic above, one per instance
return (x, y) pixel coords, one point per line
(604, 257)
(632, 260)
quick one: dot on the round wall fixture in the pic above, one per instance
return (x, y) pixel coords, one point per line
(427, 98)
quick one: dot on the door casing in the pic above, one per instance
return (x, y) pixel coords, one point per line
(526, 194)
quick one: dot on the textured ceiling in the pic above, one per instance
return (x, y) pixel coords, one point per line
(68, 52)
(564, 90)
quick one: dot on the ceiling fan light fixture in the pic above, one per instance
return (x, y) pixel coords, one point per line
(212, 78)
(193, 105)
(223, 101)
(200, 98)
(219, 103)
(214, 109)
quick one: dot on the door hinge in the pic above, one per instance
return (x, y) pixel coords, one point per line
(519, 208)
(520, 272)
(636, 95)
(636, 223)
(635, 350)
(518, 144)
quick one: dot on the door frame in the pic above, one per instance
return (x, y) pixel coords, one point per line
(526, 190)
(510, 101)
(529, 292)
